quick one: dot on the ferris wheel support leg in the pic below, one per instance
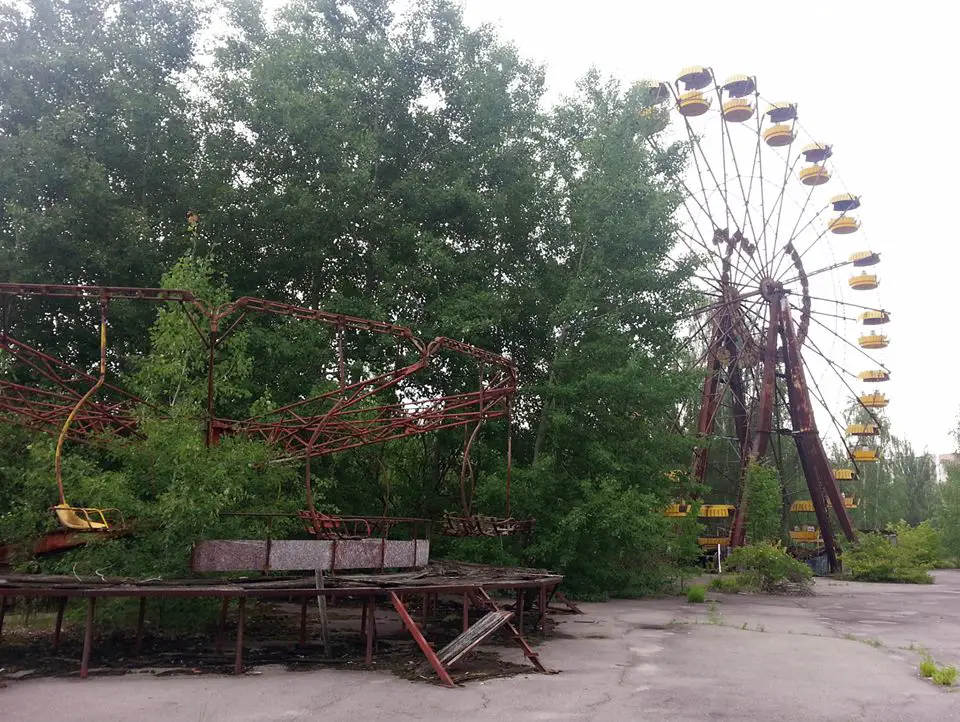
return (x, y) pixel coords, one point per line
(761, 439)
(709, 400)
(807, 442)
(813, 458)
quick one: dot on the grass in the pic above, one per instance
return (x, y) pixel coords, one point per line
(713, 616)
(940, 676)
(945, 676)
(730, 582)
(697, 594)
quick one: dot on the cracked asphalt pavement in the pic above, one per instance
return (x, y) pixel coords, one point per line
(849, 652)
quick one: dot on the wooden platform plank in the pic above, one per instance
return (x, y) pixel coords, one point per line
(475, 635)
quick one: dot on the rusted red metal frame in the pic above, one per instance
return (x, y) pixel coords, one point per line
(764, 421)
(344, 426)
(227, 591)
(816, 467)
(391, 422)
(411, 626)
(39, 410)
(813, 458)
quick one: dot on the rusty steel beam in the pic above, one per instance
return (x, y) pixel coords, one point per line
(709, 401)
(365, 412)
(54, 290)
(764, 423)
(816, 466)
(421, 641)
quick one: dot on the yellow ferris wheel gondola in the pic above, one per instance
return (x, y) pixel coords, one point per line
(738, 86)
(861, 259)
(845, 474)
(781, 112)
(874, 400)
(843, 225)
(845, 202)
(865, 456)
(864, 282)
(737, 110)
(814, 175)
(696, 77)
(693, 103)
(874, 376)
(816, 152)
(862, 430)
(777, 136)
(874, 318)
(873, 341)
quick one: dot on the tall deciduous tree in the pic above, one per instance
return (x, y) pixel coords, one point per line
(97, 146)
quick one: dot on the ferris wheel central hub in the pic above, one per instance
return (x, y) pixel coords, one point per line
(770, 289)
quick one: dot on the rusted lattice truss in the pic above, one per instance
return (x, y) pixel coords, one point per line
(39, 391)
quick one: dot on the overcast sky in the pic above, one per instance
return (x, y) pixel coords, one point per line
(876, 83)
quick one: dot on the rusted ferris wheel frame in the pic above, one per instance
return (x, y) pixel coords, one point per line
(758, 280)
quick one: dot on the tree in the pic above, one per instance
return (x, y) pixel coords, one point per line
(763, 503)
(403, 168)
(97, 147)
(948, 514)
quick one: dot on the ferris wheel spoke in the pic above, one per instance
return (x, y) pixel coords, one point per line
(847, 303)
(848, 343)
(836, 370)
(728, 212)
(811, 274)
(796, 234)
(831, 315)
(685, 344)
(744, 194)
(718, 305)
(818, 394)
(687, 238)
(777, 207)
(758, 162)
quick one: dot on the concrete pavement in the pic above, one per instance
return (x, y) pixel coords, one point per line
(850, 652)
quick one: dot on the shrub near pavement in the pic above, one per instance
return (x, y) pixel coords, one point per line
(768, 568)
(945, 676)
(908, 558)
(697, 594)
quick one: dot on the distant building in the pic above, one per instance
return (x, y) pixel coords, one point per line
(944, 462)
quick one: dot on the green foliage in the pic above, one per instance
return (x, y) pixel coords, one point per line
(733, 583)
(399, 168)
(764, 506)
(906, 557)
(768, 568)
(947, 516)
(928, 668)
(613, 540)
(921, 543)
(945, 676)
(697, 594)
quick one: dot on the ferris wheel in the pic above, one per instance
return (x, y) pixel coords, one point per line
(791, 320)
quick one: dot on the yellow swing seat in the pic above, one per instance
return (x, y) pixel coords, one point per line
(81, 518)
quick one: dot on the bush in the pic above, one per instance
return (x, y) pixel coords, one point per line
(906, 559)
(697, 594)
(920, 543)
(731, 582)
(927, 668)
(768, 568)
(763, 501)
(945, 676)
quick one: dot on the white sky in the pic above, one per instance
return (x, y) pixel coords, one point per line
(873, 81)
